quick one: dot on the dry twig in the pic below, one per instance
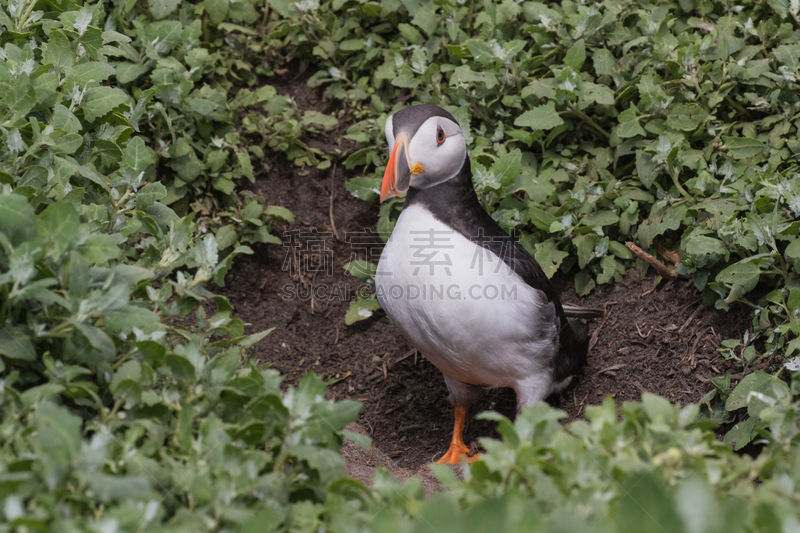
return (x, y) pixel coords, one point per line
(640, 331)
(660, 267)
(611, 369)
(333, 191)
(404, 356)
(670, 255)
(691, 317)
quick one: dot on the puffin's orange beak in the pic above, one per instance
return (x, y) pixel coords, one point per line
(399, 169)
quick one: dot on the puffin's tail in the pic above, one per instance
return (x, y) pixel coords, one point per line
(572, 351)
(573, 311)
(574, 342)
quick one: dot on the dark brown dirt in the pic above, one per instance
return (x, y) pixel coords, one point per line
(656, 339)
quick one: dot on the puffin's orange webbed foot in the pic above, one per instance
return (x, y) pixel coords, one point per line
(458, 450)
(455, 454)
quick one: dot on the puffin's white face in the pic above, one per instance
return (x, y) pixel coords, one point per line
(435, 153)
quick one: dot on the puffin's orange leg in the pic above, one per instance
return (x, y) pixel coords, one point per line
(458, 450)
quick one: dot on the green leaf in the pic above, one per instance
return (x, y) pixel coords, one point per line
(759, 381)
(327, 463)
(742, 147)
(21, 100)
(407, 80)
(59, 51)
(110, 488)
(245, 164)
(788, 55)
(99, 248)
(744, 274)
(182, 369)
(686, 117)
(741, 434)
(131, 317)
(792, 251)
(410, 34)
(646, 168)
(112, 36)
(619, 250)
(549, 257)
(360, 440)
(286, 8)
(576, 55)
(372, 9)
(361, 310)
(702, 245)
(652, 95)
(58, 223)
(97, 338)
(280, 213)
(92, 41)
(585, 245)
(15, 212)
(599, 94)
(363, 270)
(629, 124)
(100, 101)
(63, 119)
(128, 72)
(364, 188)
(82, 20)
(780, 6)
(320, 119)
(137, 155)
(604, 63)
(482, 51)
(162, 8)
(150, 194)
(661, 219)
(68, 143)
(254, 338)
(91, 71)
(57, 438)
(543, 117)
(584, 283)
(609, 267)
(507, 167)
(601, 218)
(657, 408)
(14, 344)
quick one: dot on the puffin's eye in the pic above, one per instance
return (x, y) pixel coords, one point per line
(439, 136)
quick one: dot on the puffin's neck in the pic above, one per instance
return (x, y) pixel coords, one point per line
(453, 202)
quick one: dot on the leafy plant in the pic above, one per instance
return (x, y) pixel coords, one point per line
(366, 301)
(126, 129)
(118, 413)
(589, 126)
(648, 466)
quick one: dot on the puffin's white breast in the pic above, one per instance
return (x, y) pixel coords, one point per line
(462, 306)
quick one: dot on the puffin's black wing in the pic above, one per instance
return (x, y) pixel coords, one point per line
(573, 334)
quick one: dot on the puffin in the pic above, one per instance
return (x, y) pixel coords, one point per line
(465, 294)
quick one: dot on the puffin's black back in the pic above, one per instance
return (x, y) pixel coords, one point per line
(455, 203)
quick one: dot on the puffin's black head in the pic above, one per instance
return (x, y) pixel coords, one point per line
(427, 148)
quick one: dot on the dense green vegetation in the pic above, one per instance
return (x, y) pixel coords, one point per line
(128, 128)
